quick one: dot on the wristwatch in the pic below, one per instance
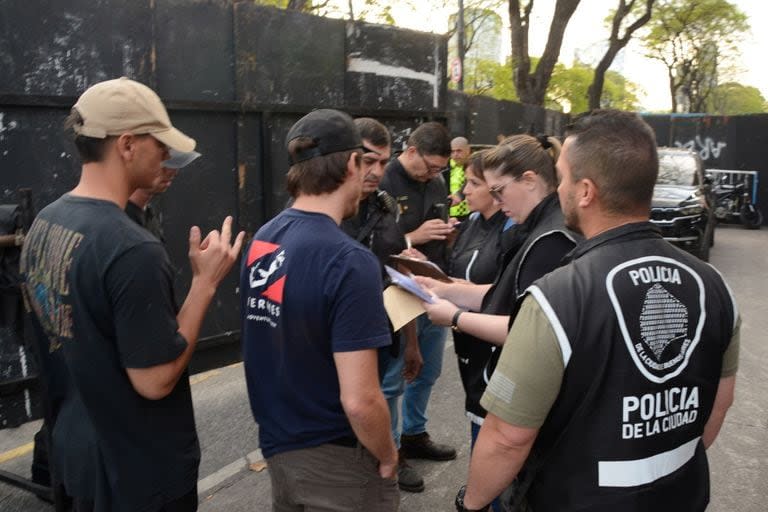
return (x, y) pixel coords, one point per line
(460, 502)
(455, 320)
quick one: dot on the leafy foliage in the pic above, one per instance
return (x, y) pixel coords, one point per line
(567, 89)
(629, 17)
(569, 86)
(693, 39)
(731, 98)
(492, 79)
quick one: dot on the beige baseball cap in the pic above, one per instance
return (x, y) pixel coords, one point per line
(122, 106)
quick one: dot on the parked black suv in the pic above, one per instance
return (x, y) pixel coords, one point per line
(681, 205)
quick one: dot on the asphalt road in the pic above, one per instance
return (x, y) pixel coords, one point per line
(233, 480)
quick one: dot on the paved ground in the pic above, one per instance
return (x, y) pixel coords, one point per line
(738, 460)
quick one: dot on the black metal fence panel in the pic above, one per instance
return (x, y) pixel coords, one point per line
(35, 154)
(235, 76)
(394, 69)
(193, 50)
(60, 47)
(288, 58)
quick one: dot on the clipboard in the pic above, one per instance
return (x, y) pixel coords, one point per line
(421, 268)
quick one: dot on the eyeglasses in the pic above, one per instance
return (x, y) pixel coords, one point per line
(431, 168)
(496, 191)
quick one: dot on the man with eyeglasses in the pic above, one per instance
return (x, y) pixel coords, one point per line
(414, 180)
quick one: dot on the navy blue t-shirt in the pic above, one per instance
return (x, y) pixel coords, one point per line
(308, 290)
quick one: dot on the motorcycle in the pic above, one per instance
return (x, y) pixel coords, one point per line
(734, 203)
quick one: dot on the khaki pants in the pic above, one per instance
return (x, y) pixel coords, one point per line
(330, 478)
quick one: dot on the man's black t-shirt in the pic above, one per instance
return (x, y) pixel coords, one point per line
(100, 289)
(146, 218)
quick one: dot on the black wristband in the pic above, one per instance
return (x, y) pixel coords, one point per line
(459, 502)
(455, 320)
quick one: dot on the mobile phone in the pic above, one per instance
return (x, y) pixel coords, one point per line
(440, 211)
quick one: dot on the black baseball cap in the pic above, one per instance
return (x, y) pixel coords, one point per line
(332, 131)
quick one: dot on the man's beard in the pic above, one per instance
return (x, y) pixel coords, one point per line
(571, 218)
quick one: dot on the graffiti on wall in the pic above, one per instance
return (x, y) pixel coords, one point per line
(707, 148)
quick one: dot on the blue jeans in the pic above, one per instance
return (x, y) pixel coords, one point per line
(416, 394)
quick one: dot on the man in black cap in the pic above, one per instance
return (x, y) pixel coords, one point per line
(313, 319)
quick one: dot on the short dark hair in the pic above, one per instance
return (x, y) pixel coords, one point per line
(431, 139)
(617, 151)
(519, 153)
(90, 149)
(475, 162)
(319, 175)
(373, 131)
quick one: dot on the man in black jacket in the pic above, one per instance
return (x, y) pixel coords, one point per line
(414, 180)
(376, 227)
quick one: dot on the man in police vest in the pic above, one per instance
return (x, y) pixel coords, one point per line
(620, 366)
(375, 226)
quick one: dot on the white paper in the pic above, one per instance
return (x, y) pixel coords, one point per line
(408, 284)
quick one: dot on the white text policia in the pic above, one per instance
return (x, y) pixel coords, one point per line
(652, 413)
(657, 274)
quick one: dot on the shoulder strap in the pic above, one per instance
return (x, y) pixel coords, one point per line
(373, 219)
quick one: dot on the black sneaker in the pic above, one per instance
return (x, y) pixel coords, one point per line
(420, 446)
(408, 478)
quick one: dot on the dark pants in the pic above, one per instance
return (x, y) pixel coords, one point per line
(187, 503)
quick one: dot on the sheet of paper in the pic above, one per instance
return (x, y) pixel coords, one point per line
(401, 306)
(408, 284)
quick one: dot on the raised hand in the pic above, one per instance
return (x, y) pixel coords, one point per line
(213, 258)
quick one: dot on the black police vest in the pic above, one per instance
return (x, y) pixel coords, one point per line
(643, 327)
(546, 220)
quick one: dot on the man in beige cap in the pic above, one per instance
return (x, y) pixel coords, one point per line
(116, 345)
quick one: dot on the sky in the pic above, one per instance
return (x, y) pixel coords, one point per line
(585, 35)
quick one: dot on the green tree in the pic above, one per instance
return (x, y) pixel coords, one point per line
(731, 98)
(693, 39)
(628, 18)
(568, 90)
(619, 92)
(531, 82)
(492, 79)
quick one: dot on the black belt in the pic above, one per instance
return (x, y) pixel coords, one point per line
(348, 441)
